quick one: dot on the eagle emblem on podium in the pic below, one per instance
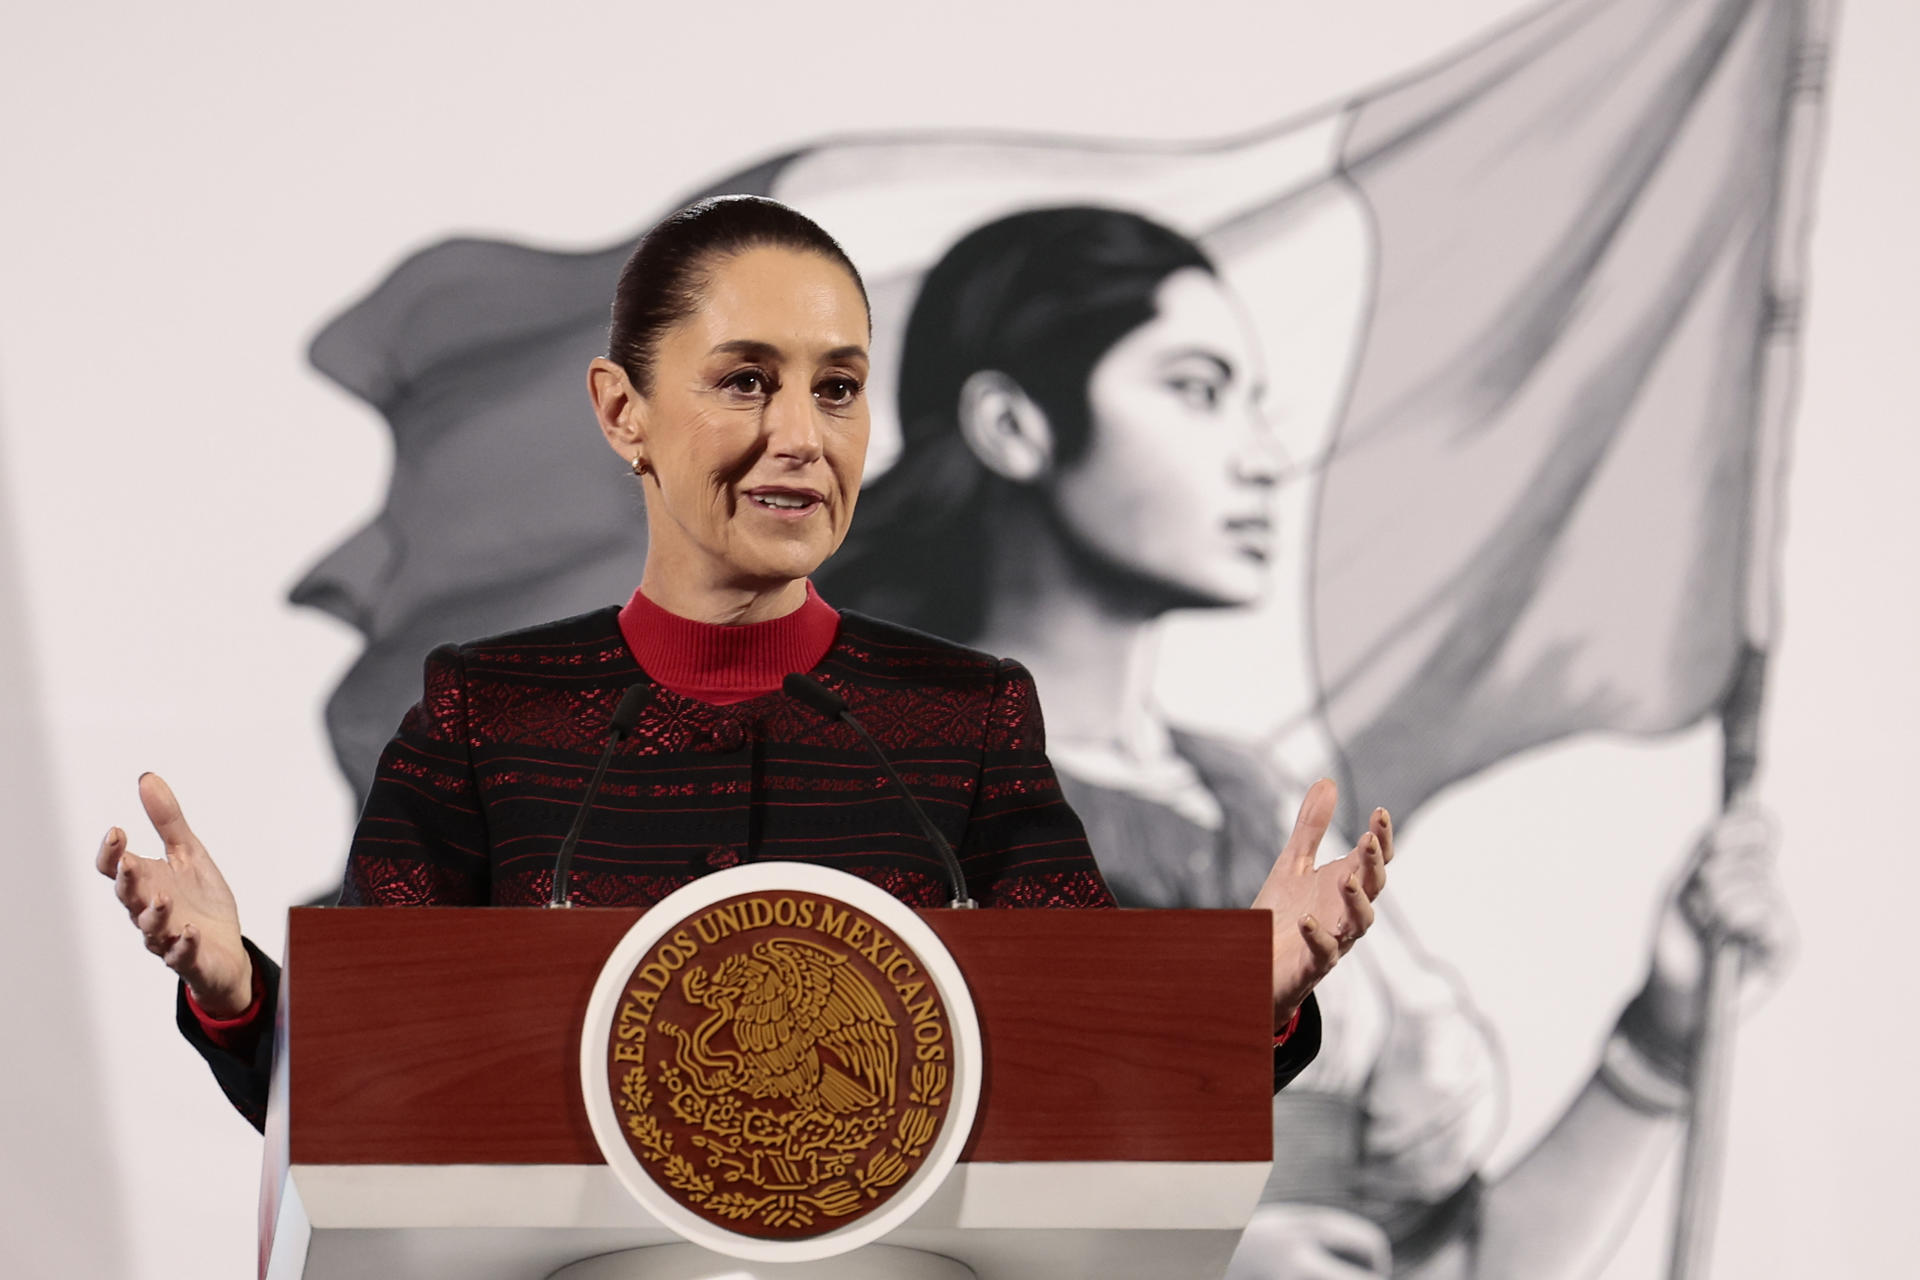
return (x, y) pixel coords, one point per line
(785, 1002)
(785, 1065)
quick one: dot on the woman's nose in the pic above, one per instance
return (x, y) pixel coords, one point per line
(793, 427)
(1260, 460)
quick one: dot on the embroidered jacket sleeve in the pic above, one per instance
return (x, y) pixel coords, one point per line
(1024, 845)
(422, 840)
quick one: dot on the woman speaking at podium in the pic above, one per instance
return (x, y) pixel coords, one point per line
(734, 389)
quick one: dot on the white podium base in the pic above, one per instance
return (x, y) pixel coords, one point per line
(1114, 1220)
(690, 1262)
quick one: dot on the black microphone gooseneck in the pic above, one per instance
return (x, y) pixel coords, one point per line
(624, 717)
(805, 688)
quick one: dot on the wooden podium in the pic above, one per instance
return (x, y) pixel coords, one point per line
(427, 1120)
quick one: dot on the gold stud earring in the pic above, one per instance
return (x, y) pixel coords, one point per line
(639, 465)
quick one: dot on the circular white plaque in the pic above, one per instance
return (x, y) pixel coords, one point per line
(706, 947)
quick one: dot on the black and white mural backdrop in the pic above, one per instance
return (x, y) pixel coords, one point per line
(1488, 404)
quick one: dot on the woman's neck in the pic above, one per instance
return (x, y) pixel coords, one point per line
(1089, 644)
(1094, 646)
(682, 590)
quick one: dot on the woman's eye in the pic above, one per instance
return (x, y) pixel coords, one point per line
(1199, 393)
(837, 391)
(748, 382)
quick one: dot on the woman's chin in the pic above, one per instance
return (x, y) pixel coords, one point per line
(1235, 587)
(784, 560)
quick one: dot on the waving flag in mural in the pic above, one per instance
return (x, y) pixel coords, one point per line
(1519, 308)
(1581, 312)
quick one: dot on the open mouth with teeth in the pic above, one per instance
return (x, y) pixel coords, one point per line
(784, 501)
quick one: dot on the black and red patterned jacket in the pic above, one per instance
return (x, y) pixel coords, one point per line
(474, 794)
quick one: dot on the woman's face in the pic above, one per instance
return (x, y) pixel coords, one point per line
(1176, 483)
(755, 430)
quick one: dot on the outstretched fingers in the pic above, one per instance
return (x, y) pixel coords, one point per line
(1359, 908)
(112, 846)
(153, 917)
(131, 880)
(1381, 825)
(1323, 949)
(1309, 826)
(163, 811)
(185, 950)
(153, 925)
(1370, 859)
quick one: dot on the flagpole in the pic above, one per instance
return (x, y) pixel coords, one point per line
(1711, 1075)
(1703, 1155)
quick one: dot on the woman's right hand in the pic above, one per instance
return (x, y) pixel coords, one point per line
(181, 905)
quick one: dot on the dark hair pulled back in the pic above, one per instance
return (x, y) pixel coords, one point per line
(1041, 297)
(664, 279)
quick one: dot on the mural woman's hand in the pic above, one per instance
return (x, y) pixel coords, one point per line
(1730, 892)
(181, 904)
(1320, 912)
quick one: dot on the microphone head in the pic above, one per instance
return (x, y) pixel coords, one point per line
(804, 688)
(627, 713)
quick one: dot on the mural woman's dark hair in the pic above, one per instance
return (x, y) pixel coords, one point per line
(1038, 296)
(663, 280)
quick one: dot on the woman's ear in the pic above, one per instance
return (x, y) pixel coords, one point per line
(619, 409)
(1003, 426)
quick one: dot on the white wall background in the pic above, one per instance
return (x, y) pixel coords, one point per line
(189, 189)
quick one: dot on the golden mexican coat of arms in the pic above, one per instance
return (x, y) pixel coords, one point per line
(781, 1064)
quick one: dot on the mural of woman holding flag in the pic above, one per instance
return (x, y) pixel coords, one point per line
(1084, 450)
(1516, 372)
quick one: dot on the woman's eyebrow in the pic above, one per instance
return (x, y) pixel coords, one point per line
(750, 348)
(767, 352)
(1201, 353)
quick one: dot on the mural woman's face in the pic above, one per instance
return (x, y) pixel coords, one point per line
(1177, 481)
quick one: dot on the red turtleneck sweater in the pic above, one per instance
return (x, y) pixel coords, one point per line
(722, 664)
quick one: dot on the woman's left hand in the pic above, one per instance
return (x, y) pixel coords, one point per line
(1320, 912)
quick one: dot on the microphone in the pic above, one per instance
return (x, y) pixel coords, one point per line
(805, 688)
(624, 717)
